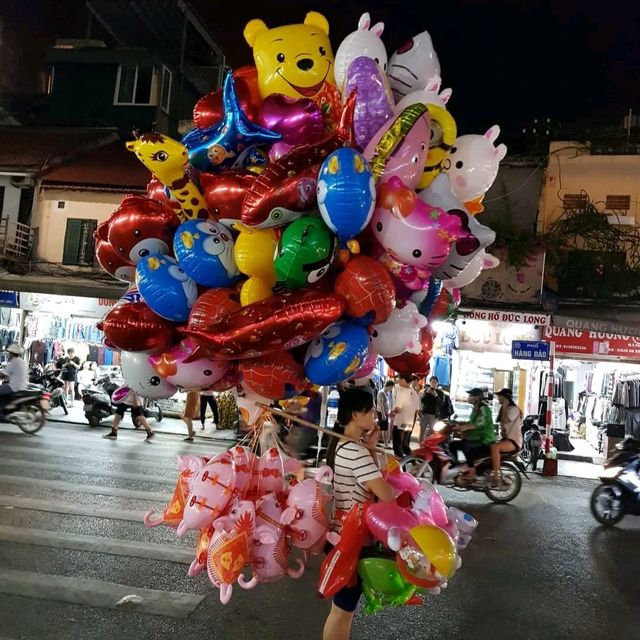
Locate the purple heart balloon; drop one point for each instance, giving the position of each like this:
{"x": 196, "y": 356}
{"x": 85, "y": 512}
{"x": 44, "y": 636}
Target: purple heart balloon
{"x": 374, "y": 100}
{"x": 297, "y": 120}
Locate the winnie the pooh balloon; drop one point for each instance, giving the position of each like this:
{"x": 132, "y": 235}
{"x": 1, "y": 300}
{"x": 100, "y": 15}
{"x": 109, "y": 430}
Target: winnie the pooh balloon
{"x": 295, "y": 60}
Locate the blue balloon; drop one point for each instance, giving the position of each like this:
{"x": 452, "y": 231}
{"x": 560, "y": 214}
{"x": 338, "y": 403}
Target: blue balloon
{"x": 204, "y": 249}
{"x": 228, "y": 142}
{"x": 433, "y": 291}
{"x": 346, "y": 193}
{"x": 337, "y": 354}
{"x": 165, "y": 287}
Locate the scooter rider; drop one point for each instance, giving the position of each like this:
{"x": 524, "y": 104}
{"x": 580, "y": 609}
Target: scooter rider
{"x": 478, "y": 434}
{"x": 16, "y": 372}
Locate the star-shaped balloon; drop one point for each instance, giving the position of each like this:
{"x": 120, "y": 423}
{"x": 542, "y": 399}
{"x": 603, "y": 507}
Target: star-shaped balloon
{"x": 229, "y": 142}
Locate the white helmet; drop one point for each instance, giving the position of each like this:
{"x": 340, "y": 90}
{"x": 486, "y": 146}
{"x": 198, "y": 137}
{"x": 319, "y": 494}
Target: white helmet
{"x": 15, "y": 349}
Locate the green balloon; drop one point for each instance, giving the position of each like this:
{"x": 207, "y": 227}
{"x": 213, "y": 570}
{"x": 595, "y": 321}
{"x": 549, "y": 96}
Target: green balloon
{"x": 382, "y": 584}
{"x": 305, "y": 253}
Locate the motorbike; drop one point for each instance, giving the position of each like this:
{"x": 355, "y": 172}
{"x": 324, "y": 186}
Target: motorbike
{"x": 433, "y": 461}
{"x": 98, "y": 404}
{"x": 26, "y": 409}
{"x": 532, "y": 450}
{"x": 619, "y": 493}
{"x": 48, "y": 378}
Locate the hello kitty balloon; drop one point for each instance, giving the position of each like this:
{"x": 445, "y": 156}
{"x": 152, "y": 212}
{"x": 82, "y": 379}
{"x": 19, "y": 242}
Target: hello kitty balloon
{"x": 481, "y": 261}
{"x": 416, "y": 236}
{"x": 400, "y": 333}
{"x": 412, "y": 65}
{"x": 474, "y": 236}
{"x": 431, "y": 94}
{"x": 361, "y": 42}
{"x": 473, "y": 163}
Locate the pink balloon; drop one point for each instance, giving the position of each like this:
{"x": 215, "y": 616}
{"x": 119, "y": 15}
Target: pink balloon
{"x": 438, "y": 510}
{"x": 298, "y": 120}
{"x": 388, "y": 521}
{"x": 368, "y": 365}
{"x": 374, "y": 100}
{"x": 210, "y": 494}
{"x": 305, "y": 514}
{"x": 409, "y": 151}
{"x": 278, "y": 150}
{"x": 416, "y": 237}
{"x": 271, "y": 472}
{"x": 199, "y": 374}
{"x": 403, "y": 482}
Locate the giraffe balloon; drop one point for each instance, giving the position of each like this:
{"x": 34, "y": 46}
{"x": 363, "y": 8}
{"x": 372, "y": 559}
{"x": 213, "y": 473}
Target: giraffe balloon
{"x": 168, "y": 160}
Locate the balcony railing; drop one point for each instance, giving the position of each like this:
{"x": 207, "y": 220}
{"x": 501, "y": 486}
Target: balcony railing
{"x": 17, "y": 241}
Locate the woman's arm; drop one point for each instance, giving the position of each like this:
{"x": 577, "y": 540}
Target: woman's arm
{"x": 381, "y": 488}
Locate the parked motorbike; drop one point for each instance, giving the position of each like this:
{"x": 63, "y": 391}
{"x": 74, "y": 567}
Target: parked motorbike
{"x": 433, "y": 461}
{"x": 48, "y": 378}
{"x": 98, "y": 404}
{"x": 26, "y": 409}
{"x": 532, "y": 450}
{"x": 619, "y": 493}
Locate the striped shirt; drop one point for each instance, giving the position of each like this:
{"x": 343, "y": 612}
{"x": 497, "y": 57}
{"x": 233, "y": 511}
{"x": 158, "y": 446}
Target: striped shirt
{"x": 352, "y": 468}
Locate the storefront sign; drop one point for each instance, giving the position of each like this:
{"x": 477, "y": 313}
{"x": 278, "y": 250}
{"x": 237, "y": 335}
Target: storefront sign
{"x": 492, "y": 337}
{"x": 593, "y": 344}
{"x": 493, "y": 315}
{"x": 67, "y": 305}
{"x": 623, "y": 324}
{"x": 538, "y": 350}
{"x": 10, "y": 299}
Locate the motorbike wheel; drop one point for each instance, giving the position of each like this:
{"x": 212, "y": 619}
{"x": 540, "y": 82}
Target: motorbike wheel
{"x": 417, "y": 467}
{"x": 30, "y": 418}
{"x": 510, "y": 492}
{"x": 93, "y": 419}
{"x": 606, "y": 505}
{"x": 525, "y": 454}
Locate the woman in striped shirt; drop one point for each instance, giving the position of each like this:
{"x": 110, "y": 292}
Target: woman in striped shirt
{"x": 357, "y": 479}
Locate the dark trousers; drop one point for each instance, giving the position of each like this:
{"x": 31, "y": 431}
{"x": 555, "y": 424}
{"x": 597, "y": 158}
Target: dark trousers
{"x": 401, "y": 439}
{"x": 211, "y": 402}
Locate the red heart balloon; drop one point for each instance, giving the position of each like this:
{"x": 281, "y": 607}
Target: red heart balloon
{"x": 134, "y": 327}
{"x": 368, "y": 289}
{"x": 211, "y": 306}
{"x": 208, "y": 109}
{"x": 278, "y": 323}
{"x": 224, "y": 192}
{"x": 414, "y": 363}
{"x": 276, "y": 377}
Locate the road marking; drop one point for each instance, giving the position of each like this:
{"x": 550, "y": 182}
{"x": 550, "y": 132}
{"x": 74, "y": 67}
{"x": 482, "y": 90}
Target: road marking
{"x": 81, "y": 542}
{"x": 107, "y": 473}
{"x": 70, "y": 508}
{"x": 95, "y": 593}
{"x": 60, "y": 485}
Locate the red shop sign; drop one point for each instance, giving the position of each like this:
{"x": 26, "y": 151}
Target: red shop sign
{"x": 574, "y": 342}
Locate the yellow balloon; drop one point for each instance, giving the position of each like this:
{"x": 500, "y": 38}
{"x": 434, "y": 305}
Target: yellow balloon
{"x": 295, "y": 60}
{"x": 253, "y": 251}
{"x": 443, "y": 135}
{"x": 254, "y": 290}
{"x": 437, "y": 546}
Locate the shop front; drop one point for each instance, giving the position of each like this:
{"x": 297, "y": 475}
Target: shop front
{"x": 597, "y": 386}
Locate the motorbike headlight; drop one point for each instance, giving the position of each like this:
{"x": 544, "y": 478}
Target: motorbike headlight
{"x": 612, "y": 472}
{"x": 439, "y": 426}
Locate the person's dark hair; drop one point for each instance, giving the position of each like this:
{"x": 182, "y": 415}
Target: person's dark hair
{"x": 434, "y": 378}
{"x": 507, "y": 393}
{"x": 389, "y": 383}
{"x": 407, "y": 377}
{"x": 352, "y": 400}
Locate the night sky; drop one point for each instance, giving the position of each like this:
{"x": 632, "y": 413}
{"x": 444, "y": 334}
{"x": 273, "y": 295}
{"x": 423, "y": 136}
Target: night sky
{"x": 507, "y": 61}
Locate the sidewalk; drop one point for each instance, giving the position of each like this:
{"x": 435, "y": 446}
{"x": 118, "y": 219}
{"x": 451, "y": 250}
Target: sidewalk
{"x": 174, "y": 426}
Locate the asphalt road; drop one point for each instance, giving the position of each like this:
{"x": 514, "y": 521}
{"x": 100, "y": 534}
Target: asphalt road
{"x": 72, "y": 544}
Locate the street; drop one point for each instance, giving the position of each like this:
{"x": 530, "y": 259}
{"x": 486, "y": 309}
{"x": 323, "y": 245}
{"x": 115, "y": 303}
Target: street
{"x": 73, "y": 544}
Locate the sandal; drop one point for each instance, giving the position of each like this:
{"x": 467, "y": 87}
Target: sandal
{"x": 188, "y": 439}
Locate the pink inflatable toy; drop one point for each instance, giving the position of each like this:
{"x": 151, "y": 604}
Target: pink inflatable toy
{"x": 210, "y": 494}
{"x": 389, "y": 522}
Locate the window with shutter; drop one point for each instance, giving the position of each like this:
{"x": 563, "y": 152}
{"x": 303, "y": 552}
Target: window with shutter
{"x": 79, "y": 243}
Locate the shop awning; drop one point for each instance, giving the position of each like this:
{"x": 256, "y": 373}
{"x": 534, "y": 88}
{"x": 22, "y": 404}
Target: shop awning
{"x": 61, "y": 285}
{"x": 624, "y": 321}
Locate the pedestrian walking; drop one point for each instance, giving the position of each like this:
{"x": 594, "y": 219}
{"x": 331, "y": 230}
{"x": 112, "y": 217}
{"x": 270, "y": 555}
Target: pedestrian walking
{"x": 384, "y": 404}
{"x": 431, "y": 403}
{"x": 191, "y": 408}
{"x": 137, "y": 417}
{"x": 406, "y": 404}
{"x": 207, "y": 399}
